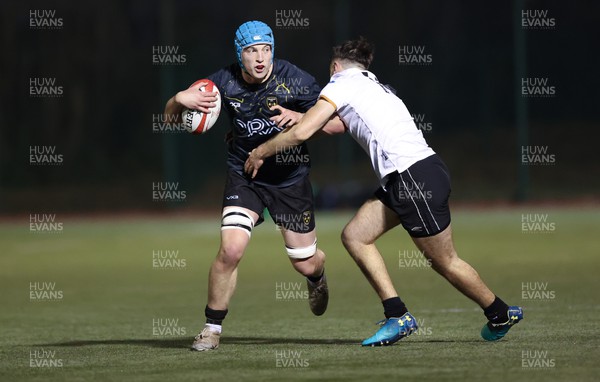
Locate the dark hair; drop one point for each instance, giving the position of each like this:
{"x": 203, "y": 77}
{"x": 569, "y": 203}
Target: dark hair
{"x": 359, "y": 51}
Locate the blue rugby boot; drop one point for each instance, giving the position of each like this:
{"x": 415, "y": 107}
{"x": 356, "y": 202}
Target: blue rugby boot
{"x": 392, "y": 330}
{"x": 494, "y": 332}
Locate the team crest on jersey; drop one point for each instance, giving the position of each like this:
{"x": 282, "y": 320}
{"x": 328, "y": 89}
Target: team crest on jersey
{"x": 271, "y": 101}
{"x": 306, "y": 217}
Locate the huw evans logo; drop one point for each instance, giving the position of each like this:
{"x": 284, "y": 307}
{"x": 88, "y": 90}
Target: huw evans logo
{"x": 290, "y": 358}
{"x": 167, "y": 192}
{"x": 167, "y": 55}
{"x": 167, "y": 327}
{"x": 537, "y": 223}
{"x": 293, "y": 222}
{"x": 536, "y": 359}
{"x": 288, "y": 291}
{"x": 289, "y": 85}
{"x": 44, "y": 19}
{"x": 291, "y": 156}
{"x": 44, "y": 358}
{"x": 537, "y": 19}
{"x": 414, "y": 191}
{"x": 537, "y": 87}
{"x": 168, "y": 123}
{"x": 535, "y": 290}
{"x": 44, "y": 291}
{"x": 45, "y": 87}
{"x": 537, "y": 155}
{"x": 290, "y": 19}
{"x": 414, "y": 55}
{"x": 412, "y": 259}
{"x": 421, "y": 123}
{"x": 423, "y": 330}
{"x": 44, "y": 223}
{"x": 167, "y": 259}
{"x": 44, "y": 156}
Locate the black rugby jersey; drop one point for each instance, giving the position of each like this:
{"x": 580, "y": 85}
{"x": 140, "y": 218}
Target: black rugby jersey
{"x": 248, "y": 107}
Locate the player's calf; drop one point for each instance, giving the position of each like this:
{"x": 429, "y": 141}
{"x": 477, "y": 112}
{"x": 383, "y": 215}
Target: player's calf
{"x": 309, "y": 261}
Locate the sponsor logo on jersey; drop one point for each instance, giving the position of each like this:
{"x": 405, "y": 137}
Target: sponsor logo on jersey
{"x": 260, "y": 126}
{"x": 235, "y": 103}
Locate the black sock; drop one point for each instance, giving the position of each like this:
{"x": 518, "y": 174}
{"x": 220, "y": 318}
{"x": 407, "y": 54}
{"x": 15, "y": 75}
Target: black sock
{"x": 316, "y": 279}
{"x": 394, "y": 307}
{"x": 497, "y": 312}
{"x": 214, "y": 317}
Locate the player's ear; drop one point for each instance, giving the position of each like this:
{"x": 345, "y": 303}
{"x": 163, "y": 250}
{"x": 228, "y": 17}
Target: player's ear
{"x": 336, "y": 67}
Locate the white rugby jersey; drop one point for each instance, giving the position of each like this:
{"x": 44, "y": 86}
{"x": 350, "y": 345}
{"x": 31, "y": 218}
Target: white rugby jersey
{"x": 378, "y": 120}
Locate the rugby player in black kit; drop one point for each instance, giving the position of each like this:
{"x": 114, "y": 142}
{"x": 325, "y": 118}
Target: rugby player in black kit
{"x": 262, "y": 95}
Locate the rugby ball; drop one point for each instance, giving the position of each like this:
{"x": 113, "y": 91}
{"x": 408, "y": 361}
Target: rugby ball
{"x": 197, "y": 122}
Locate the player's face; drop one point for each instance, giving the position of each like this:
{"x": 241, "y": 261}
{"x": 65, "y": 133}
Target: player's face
{"x": 258, "y": 61}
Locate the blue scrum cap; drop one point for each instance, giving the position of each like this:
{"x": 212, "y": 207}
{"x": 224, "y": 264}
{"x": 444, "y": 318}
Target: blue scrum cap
{"x": 252, "y": 33}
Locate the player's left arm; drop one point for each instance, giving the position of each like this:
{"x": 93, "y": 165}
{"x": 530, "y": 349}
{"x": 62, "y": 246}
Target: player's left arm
{"x": 314, "y": 120}
{"x": 335, "y": 125}
{"x": 289, "y": 118}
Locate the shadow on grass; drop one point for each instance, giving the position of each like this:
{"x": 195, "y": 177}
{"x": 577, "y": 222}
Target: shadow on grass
{"x": 183, "y": 343}
{"x": 186, "y": 342}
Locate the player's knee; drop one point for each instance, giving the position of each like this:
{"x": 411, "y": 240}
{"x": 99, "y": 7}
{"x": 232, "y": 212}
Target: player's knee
{"x": 349, "y": 237}
{"x": 230, "y": 254}
{"x": 444, "y": 262}
{"x": 310, "y": 265}
{"x": 304, "y": 267}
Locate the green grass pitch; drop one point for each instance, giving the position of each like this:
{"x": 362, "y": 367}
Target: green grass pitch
{"x": 102, "y": 310}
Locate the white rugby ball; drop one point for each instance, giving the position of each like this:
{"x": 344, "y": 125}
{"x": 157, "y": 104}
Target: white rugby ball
{"x": 197, "y": 122}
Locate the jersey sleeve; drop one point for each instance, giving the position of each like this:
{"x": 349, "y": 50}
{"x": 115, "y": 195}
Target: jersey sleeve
{"x": 220, "y": 77}
{"x": 306, "y": 89}
{"x": 334, "y": 93}
{"x": 313, "y": 89}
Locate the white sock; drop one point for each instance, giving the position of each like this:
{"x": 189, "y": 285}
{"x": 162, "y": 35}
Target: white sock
{"x": 214, "y": 328}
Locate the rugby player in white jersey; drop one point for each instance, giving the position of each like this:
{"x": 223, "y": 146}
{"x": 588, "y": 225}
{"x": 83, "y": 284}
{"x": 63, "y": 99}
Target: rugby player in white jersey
{"x": 414, "y": 192}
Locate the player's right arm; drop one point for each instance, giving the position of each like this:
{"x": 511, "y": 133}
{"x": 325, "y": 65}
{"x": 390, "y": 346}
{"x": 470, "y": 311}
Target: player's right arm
{"x": 191, "y": 98}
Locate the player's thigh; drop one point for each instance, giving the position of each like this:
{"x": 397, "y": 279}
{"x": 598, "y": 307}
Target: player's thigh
{"x": 292, "y": 210}
{"x": 439, "y": 248}
{"x": 298, "y": 239}
{"x": 372, "y": 220}
{"x": 241, "y": 194}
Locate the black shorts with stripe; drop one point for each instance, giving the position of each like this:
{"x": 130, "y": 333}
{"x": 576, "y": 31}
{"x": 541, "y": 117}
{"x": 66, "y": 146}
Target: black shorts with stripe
{"x": 419, "y": 196}
{"x": 290, "y": 207}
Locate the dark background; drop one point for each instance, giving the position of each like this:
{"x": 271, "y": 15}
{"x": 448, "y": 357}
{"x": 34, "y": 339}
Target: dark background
{"x": 102, "y": 125}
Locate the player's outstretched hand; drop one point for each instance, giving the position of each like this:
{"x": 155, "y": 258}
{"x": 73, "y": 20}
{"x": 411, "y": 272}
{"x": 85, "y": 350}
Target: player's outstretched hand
{"x": 286, "y": 117}
{"x": 253, "y": 163}
{"x": 193, "y": 98}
